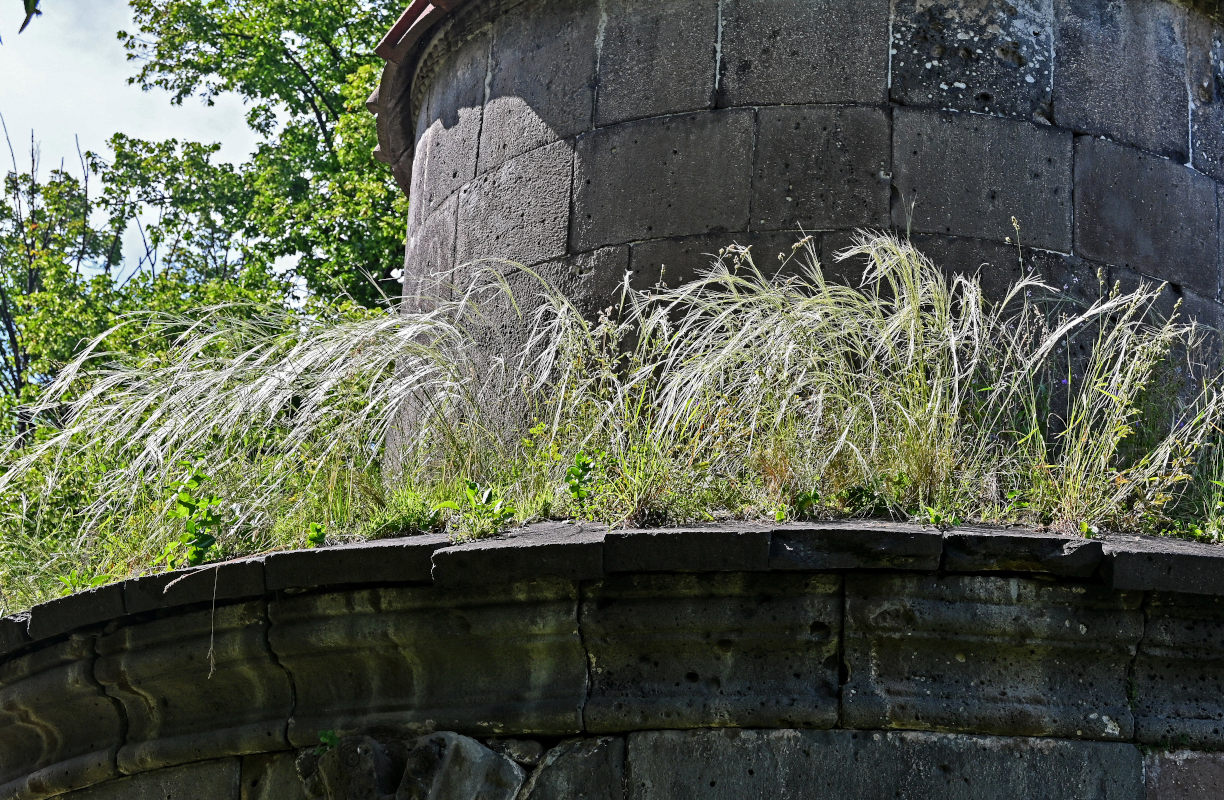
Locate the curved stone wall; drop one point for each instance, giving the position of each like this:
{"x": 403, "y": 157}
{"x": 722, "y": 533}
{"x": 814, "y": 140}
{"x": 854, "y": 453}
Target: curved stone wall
{"x": 590, "y": 137}
{"x": 832, "y": 660}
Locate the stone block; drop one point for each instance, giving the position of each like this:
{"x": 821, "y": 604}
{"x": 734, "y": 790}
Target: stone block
{"x": 1139, "y": 563}
{"x": 541, "y": 79}
{"x": 993, "y": 58}
{"x": 854, "y": 545}
{"x": 1178, "y": 689}
{"x": 1012, "y": 656}
{"x": 1184, "y": 775}
{"x": 821, "y": 167}
{"x": 405, "y": 559}
{"x": 234, "y": 580}
{"x": 13, "y": 633}
{"x": 451, "y": 141}
{"x": 76, "y": 611}
{"x": 592, "y": 280}
{"x": 429, "y": 256}
{"x": 1205, "y": 77}
{"x": 718, "y": 649}
{"x": 556, "y": 550}
{"x": 969, "y": 175}
{"x": 195, "y": 686}
{"x": 1122, "y": 72}
{"x": 45, "y": 697}
{"x": 719, "y": 549}
{"x": 803, "y": 51}
{"x": 670, "y": 176}
{"x": 591, "y": 769}
{"x": 655, "y": 58}
{"x": 984, "y": 550}
{"x": 518, "y": 212}
{"x": 498, "y": 660}
{"x": 998, "y": 266}
{"x": 671, "y": 262}
{"x": 214, "y": 780}
{"x": 834, "y": 765}
{"x": 271, "y": 776}
{"x": 1146, "y": 213}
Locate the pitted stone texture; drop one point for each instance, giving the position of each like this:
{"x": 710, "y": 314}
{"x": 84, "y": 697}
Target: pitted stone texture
{"x": 591, "y": 769}
{"x": 1178, "y": 690}
{"x": 541, "y": 79}
{"x": 519, "y": 211}
{"x": 655, "y": 58}
{"x": 803, "y": 51}
{"x": 1205, "y": 77}
{"x": 206, "y": 780}
{"x": 472, "y": 661}
{"x": 1184, "y": 775}
{"x": 996, "y": 58}
{"x": 684, "y": 651}
{"x": 1121, "y": 72}
{"x": 669, "y": 176}
{"x": 455, "y": 111}
{"x": 988, "y": 655}
{"x": 271, "y": 776}
{"x": 592, "y": 280}
{"x": 218, "y": 689}
{"x": 1164, "y": 564}
{"x": 1146, "y": 213}
{"x": 58, "y": 730}
{"x": 835, "y": 765}
{"x": 821, "y": 167}
{"x": 429, "y": 255}
{"x": 969, "y": 175}
{"x": 670, "y": 262}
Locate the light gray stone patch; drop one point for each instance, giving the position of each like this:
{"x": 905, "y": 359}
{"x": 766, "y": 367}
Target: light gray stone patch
{"x": 1205, "y": 79}
{"x": 451, "y": 141}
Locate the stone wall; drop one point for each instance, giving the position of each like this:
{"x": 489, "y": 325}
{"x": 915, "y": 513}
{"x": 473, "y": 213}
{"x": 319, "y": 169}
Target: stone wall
{"x": 832, "y": 660}
{"x": 585, "y": 138}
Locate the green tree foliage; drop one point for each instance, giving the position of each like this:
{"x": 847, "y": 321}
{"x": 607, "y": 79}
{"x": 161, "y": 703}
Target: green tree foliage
{"x": 305, "y": 68}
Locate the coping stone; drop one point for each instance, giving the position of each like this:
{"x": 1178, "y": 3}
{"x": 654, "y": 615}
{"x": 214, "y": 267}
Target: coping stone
{"x": 985, "y": 550}
{"x": 715, "y": 549}
{"x": 14, "y": 633}
{"x": 406, "y": 559}
{"x": 855, "y": 545}
{"x": 557, "y": 550}
{"x": 205, "y": 584}
{"x": 1144, "y": 563}
{"x": 80, "y": 610}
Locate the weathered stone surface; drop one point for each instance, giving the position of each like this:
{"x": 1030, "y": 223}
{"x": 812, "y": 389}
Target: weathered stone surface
{"x": 672, "y": 261}
{"x": 541, "y": 79}
{"x": 218, "y": 691}
{"x": 1184, "y": 775}
{"x": 854, "y": 545}
{"x": 591, "y": 280}
{"x": 403, "y": 560}
{"x": 988, "y": 655}
{"x": 687, "y": 550}
{"x": 271, "y": 776}
{"x": 1205, "y": 77}
{"x": 969, "y": 175}
{"x": 803, "y": 51}
{"x": 995, "y": 58}
{"x": 655, "y": 58}
{"x": 998, "y": 265}
{"x": 45, "y": 695}
{"x": 682, "y": 651}
{"x": 210, "y": 584}
{"x": 1164, "y": 564}
{"x": 1121, "y": 72}
{"x": 558, "y": 550}
{"x": 1178, "y": 690}
{"x": 591, "y": 769}
{"x": 455, "y": 113}
{"x": 670, "y": 176}
{"x": 519, "y": 211}
{"x": 478, "y": 661}
{"x": 429, "y": 255}
{"x": 13, "y": 634}
{"x": 525, "y": 752}
{"x": 822, "y": 167}
{"x": 983, "y": 550}
{"x": 75, "y": 611}
{"x": 834, "y": 765}
{"x": 214, "y": 780}
{"x": 1147, "y": 213}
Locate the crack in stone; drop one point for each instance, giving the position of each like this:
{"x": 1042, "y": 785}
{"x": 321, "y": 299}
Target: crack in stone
{"x": 1131, "y": 688}
{"x": 120, "y": 709}
{"x": 293, "y": 695}
{"x": 588, "y": 656}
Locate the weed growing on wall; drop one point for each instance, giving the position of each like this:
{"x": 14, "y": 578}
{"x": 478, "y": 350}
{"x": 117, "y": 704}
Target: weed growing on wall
{"x": 744, "y": 393}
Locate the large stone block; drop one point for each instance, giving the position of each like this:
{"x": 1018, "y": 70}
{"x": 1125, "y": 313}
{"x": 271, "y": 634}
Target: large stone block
{"x": 557, "y": 550}
{"x": 58, "y": 729}
{"x": 520, "y": 211}
{"x": 494, "y": 660}
{"x": 719, "y": 549}
{"x": 821, "y": 167}
{"x": 803, "y": 51}
{"x": 988, "y": 655}
{"x": 1178, "y": 689}
{"x": 655, "y": 58}
{"x": 985, "y": 550}
{"x": 1150, "y": 214}
{"x": 855, "y": 545}
{"x": 969, "y": 175}
{"x": 670, "y": 176}
{"x": 1121, "y": 72}
{"x": 591, "y": 769}
{"x": 673, "y": 261}
{"x": 541, "y": 78}
{"x": 686, "y": 651}
{"x": 429, "y": 255}
{"x": 406, "y": 559}
{"x": 996, "y": 58}
{"x": 1205, "y": 77}
{"x": 592, "y": 280}
{"x": 75, "y": 612}
{"x": 451, "y": 141}
{"x": 214, "y": 780}
{"x": 834, "y": 765}
{"x": 1184, "y": 775}
{"x": 196, "y": 686}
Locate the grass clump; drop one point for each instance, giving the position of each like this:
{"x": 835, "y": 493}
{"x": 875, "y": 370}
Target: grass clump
{"x": 740, "y": 394}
